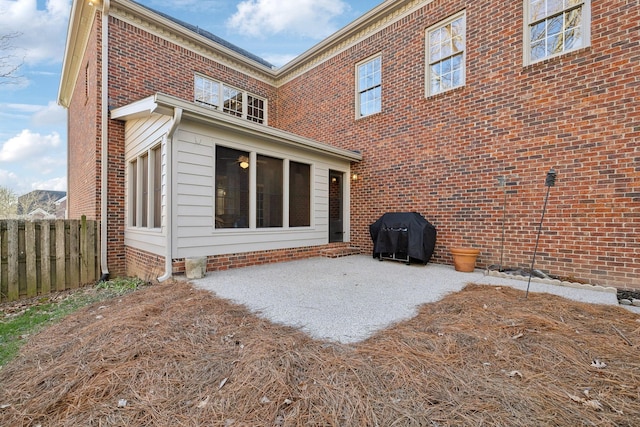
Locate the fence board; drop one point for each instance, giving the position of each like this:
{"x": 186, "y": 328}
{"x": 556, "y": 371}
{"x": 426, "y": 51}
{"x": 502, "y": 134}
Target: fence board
{"x": 74, "y": 254}
{"x": 30, "y": 250}
{"x": 61, "y": 279}
{"x": 45, "y": 257}
{"x": 13, "y": 289}
{"x": 90, "y": 251}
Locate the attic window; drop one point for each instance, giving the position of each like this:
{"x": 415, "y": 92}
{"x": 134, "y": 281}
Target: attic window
{"x": 219, "y": 96}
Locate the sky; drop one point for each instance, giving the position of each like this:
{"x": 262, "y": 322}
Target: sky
{"x": 33, "y": 127}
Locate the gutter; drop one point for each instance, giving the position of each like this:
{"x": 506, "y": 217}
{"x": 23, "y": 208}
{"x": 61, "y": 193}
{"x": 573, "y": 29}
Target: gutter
{"x": 168, "y": 256}
{"x": 104, "y": 166}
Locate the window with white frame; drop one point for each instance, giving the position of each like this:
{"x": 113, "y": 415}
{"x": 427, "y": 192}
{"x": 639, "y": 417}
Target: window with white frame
{"x": 554, "y": 27}
{"x": 145, "y": 189}
{"x": 446, "y": 50}
{"x": 369, "y": 78}
{"x": 219, "y": 96}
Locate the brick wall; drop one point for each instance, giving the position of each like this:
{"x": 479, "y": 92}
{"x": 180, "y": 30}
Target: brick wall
{"x": 440, "y": 156}
{"x": 83, "y": 176}
{"x": 143, "y": 264}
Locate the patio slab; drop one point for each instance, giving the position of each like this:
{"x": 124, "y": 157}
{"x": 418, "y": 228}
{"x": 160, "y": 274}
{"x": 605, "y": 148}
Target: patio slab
{"x": 349, "y": 299}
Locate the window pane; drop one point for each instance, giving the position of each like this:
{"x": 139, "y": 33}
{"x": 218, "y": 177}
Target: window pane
{"x": 554, "y": 25}
{"x": 572, "y": 38}
{"x": 145, "y": 190}
{"x": 536, "y": 10}
{"x": 232, "y": 188}
{"x": 206, "y": 92}
{"x": 269, "y": 196}
{"x": 554, "y": 6}
{"x": 255, "y": 109}
{"x": 133, "y": 187}
{"x": 299, "y": 195}
{"x": 232, "y": 101}
{"x": 157, "y": 187}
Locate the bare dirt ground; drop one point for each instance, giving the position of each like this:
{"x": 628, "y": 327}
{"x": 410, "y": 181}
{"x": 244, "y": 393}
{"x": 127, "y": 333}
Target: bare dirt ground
{"x": 170, "y": 355}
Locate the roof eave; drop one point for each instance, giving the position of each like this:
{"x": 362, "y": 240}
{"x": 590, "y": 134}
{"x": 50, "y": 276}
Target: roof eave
{"x": 80, "y": 23}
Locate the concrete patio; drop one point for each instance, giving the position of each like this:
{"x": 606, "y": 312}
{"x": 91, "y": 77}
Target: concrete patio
{"x": 350, "y": 298}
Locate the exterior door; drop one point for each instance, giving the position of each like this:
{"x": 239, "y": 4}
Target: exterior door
{"x": 336, "y": 229}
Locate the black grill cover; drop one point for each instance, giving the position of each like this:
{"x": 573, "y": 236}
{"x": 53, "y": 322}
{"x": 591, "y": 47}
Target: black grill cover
{"x": 403, "y": 233}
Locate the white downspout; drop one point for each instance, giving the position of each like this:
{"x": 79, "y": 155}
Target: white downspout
{"x": 104, "y": 166}
{"x": 168, "y": 256}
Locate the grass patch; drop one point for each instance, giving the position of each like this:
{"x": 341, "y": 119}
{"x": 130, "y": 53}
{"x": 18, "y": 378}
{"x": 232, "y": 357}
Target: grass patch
{"x": 21, "y": 319}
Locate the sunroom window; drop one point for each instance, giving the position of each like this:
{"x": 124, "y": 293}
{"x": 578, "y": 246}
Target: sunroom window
{"x": 145, "y": 189}
{"x": 259, "y": 202}
{"x": 219, "y": 96}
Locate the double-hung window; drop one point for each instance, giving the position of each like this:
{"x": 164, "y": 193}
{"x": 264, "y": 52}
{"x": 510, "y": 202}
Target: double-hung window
{"x": 554, "y": 27}
{"x": 446, "y": 43}
{"x": 369, "y": 80}
{"x": 219, "y": 96}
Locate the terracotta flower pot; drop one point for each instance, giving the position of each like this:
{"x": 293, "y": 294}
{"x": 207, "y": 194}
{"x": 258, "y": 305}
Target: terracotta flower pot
{"x": 464, "y": 259}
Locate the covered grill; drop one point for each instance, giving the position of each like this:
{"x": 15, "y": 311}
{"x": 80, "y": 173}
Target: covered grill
{"x": 403, "y": 236}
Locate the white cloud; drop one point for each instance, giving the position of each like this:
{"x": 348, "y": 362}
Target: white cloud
{"x": 8, "y": 179}
{"x": 28, "y": 146}
{"x": 52, "y": 114}
{"x": 53, "y": 184}
{"x": 41, "y": 30}
{"x": 308, "y": 18}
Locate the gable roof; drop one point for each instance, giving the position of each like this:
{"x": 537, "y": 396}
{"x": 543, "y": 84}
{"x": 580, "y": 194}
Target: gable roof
{"x": 200, "y": 40}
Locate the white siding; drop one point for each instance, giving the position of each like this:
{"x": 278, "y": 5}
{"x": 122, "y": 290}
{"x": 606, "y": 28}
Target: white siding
{"x": 194, "y": 202}
{"x": 140, "y": 136}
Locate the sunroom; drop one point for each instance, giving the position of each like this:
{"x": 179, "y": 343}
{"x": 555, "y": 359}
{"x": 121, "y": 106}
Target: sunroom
{"x": 200, "y": 183}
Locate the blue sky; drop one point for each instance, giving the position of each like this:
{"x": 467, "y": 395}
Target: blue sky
{"x": 33, "y": 136}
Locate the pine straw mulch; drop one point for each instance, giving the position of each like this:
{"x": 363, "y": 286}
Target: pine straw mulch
{"x": 170, "y": 355}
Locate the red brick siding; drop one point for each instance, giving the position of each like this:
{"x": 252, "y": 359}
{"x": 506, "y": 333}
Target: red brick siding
{"x": 440, "y": 156}
{"x": 246, "y": 259}
{"x": 83, "y": 162}
{"x": 143, "y": 264}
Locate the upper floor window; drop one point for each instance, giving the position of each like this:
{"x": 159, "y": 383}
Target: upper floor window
{"x": 369, "y": 87}
{"x": 446, "y": 42}
{"x": 217, "y": 95}
{"x": 554, "y": 27}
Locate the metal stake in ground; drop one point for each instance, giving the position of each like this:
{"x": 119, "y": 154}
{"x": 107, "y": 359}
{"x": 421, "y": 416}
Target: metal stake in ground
{"x": 502, "y": 181}
{"x": 549, "y": 182}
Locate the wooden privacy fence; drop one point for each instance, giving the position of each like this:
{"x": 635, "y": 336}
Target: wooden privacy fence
{"x": 42, "y": 256}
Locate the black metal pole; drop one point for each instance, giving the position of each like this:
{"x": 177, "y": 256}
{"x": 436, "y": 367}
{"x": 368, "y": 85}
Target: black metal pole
{"x": 549, "y": 182}
{"x": 502, "y": 183}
